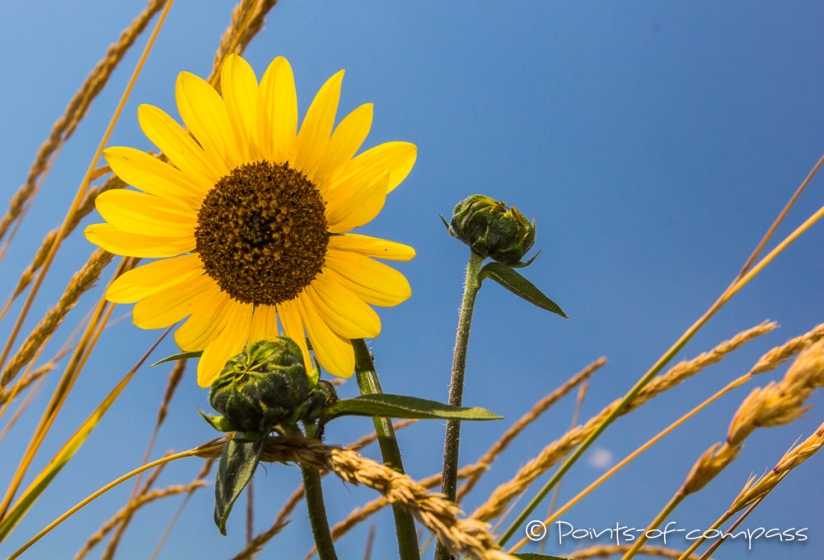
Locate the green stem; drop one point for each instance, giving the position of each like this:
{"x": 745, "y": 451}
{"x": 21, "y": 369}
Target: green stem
{"x": 368, "y": 384}
{"x": 317, "y": 514}
{"x": 452, "y": 442}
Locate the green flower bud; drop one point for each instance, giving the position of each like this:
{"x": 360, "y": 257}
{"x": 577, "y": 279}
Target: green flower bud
{"x": 261, "y": 387}
{"x": 493, "y": 230}
{"x": 322, "y": 396}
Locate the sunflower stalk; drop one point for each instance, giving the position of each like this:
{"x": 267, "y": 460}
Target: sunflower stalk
{"x": 313, "y": 491}
{"x": 452, "y": 441}
{"x": 369, "y": 384}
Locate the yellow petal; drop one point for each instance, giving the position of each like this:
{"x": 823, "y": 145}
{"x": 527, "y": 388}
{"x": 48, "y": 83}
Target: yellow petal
{"x": 177, "y": 145}
{"x": 396, "y": 158}
{"x": 170, "y": 305}
{"x": 345, "y": 142}
{"x": 264, "y": 324}
{"x": 372, "y": 281}
{"x": 206, "y": 321}
{"x": 229, "y": 343}
{"x": 317, "y": 127}
{"x": 205, "y": 115}
{"x": 372, "y": 247}
{"x": 154, "y": 277}
{"x": 345, "y": 313}
{"x": 135, "y": 212}
{"x": 153, "y": 176}
{"x": 133, "y": 245}
{"x": 334, "y": 353}
{"x": 240, "y": 93}
{"x": 356, "y": 204}
{"x": 289, "y": 315}
{"x": 277, "y": 121}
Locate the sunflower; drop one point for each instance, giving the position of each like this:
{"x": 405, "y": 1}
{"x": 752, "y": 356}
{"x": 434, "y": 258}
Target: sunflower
{"x": 250, "y": 218}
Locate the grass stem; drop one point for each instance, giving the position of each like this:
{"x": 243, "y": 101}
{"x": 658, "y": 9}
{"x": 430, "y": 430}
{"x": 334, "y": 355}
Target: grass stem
{"x": 99, "y": 493}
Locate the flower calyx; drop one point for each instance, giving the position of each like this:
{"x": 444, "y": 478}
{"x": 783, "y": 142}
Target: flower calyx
{"x": 491, "y": 229}
{"x": 265, "y": 388}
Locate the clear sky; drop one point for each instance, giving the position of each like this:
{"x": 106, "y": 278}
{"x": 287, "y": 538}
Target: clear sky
{"x": 653, "y": 142}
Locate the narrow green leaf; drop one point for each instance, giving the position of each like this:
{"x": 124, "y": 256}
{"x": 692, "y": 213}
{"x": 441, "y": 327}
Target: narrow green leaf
{"x": 512, "y": 280}
{"x": 532, "y": 556}
{"x": 181, "y": 356}
{"x": 237, "y": 464}
{"x": 397, "y": 406}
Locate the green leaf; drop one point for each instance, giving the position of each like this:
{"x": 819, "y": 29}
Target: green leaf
{"x": 512, "y": 280}
{"x": 219, "y": 423}
{"x": 397, "y": 406}
{"x": 181, "y": 356}
{"x": 237, "y": 464}
{"x": 531, "y": 556}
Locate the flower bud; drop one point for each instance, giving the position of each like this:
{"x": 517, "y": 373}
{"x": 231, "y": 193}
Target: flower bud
{"x": 322, "y": 396}
{"x": 262, "y": 386}
{"x": 493, "y": 230}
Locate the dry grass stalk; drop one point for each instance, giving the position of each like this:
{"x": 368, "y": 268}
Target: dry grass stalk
{"x": 248, "y": 19}
{"x": 171, "y": 385}
{"x": 111, "y": 523}
{"x": 75, "y": 111}
{"x": 555, "y": 451}
{"x": 38, "y": 374}
{"x": 371, "y": 438}
{"x": 466, "y": 537}
{"x": 204, "y": 472}
{"x": 774, "y": 405}
{"x": 783, "y": 402}
{"x": 81, "y": 282}
{"x": 26, "y": 381}
{"x": 128, "y": 510}
{"x": 783, "y": 353}
{"x": 518, "y": 427}
{"x": 757, "y": 490}
{"x": 370, "y": 540}
{"x": 688, "y": 368}
{"x": 359, "y": 515}
{"x": 83, "y": 210}
{"x": 21, "y": 409}
{"x": 254, "y": 546}
{"x": 605, "y": 551}
{"x": 711, "y": 462}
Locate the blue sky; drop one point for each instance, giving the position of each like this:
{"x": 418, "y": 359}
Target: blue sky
{"x": 653, "y": 142}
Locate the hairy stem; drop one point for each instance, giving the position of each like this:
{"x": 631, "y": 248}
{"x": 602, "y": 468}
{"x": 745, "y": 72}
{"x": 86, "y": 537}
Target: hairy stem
{"x": 368, "y": 384}
{"x": 452, "y": 442}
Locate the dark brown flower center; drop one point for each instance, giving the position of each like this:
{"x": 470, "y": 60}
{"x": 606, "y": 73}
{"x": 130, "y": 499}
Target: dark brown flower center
{"x": 261, "y": 233}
